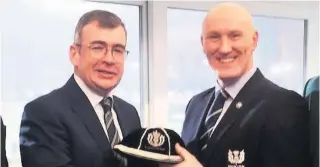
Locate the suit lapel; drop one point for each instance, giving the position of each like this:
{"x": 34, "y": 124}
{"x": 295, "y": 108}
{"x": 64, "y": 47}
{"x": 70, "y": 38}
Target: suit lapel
{"x": 82, "y": 106}
{"x": 204, "y": 106}
{"x": 238, "y": 108}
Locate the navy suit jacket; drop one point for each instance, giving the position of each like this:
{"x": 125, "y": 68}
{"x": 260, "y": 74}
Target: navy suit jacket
{"x": 61, "y": 129}
{"x": 271, "y": 127}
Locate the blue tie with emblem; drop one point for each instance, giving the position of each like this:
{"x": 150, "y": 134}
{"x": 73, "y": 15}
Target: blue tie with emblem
{"x": 212, "y": 117}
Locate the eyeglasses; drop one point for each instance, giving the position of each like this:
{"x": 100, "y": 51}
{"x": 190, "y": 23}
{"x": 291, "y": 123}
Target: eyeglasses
{"x": 100, "y": 49}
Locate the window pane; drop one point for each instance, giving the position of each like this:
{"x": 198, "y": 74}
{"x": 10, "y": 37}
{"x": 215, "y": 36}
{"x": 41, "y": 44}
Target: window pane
{"x": 280, "y": 57}
{"x": 35, "y": 60}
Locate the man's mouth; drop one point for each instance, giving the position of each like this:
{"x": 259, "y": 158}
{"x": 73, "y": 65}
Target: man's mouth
{"x": 226, "y": 59}
{"x": 106, "y": 72}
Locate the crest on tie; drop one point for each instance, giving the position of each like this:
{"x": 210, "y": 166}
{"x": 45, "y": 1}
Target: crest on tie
{"x": 156, "y": 139}
{"x": 236, "y": 158}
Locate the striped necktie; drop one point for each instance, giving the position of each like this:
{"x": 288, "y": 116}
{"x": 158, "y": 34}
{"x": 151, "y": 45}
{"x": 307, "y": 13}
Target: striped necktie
{"x": 212, "y": 117}
{"x": 113, "y": 135}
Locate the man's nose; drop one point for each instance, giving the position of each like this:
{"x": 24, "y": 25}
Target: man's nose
{"x": 108, "y": 57}
{"x": 225, "y": 46}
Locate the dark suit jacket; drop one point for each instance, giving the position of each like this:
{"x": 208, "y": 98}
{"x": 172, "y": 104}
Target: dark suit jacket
{"x": 61, "y": 129}
{"x": 311, "y": 93}
{"x": 4, "y": 160}
{"x": 314, "y": 127}
{"x": 271, "y": 127}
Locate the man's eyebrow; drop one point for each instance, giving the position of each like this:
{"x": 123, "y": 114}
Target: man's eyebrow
{"x": 98, "y": 42}
{"x": 104, "y": 43}
{"x": 235, "y": 31}
{"x": 210, "y": 33}
{"x": 230, "y": 31}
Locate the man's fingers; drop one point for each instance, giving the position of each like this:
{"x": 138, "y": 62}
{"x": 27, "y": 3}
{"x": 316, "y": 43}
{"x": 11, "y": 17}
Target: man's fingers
{"x": 182, "y": 152}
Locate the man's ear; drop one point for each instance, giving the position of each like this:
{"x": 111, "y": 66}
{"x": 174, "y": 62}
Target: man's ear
{"x": 255, "y": 40}
{"x": 201, "y": 38}
{"x": 74, "y": 55}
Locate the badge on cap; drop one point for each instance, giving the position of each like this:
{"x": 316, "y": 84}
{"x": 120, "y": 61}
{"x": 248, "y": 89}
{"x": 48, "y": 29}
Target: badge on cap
{"x": 156, "y": 139}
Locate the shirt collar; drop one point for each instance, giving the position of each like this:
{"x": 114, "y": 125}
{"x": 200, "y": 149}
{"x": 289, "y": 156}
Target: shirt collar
{"x": 93, "y": 97}
{"x": 234, "y": 88}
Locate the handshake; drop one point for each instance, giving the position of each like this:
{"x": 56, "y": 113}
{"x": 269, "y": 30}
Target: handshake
{"x": 160, "y": 145}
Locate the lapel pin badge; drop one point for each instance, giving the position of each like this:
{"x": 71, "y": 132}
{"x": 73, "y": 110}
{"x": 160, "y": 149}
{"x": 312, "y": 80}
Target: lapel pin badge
{"x": 239, "y": 105}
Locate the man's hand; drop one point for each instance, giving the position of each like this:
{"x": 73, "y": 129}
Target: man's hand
{"x": 188, "y": 159}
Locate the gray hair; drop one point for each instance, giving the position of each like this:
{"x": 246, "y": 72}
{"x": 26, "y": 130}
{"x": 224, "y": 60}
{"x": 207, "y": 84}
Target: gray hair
{"x": 105, "y": 19}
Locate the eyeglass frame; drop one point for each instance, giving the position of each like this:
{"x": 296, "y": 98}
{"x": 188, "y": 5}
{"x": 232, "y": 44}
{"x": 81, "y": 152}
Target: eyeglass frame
{"x": 105, "y": 47}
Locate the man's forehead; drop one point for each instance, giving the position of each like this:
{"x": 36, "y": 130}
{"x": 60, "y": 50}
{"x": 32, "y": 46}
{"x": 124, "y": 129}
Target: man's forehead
{"x": 93, "y": 31}
{"x": 229, "y": 10}
{"x": 229, "y": 14}
{"x": 95, "y": 26}
{"x": 225, "y": 26}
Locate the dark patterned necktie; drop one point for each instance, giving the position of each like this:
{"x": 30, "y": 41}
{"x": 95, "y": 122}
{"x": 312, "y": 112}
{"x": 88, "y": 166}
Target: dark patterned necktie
{"x": 113, "y": 134}
{"x": 212, "y": 117}
{"x": 109, "y": 122}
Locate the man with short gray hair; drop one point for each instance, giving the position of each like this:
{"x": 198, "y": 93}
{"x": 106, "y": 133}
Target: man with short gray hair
{"x": 78, "y": 124}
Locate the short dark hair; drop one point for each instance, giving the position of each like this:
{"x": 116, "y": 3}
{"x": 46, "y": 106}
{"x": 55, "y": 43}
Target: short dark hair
{"x": 105, "y": 19}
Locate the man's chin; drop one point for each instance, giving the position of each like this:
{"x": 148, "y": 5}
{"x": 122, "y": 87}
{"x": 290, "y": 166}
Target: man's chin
{"x": 229, "y": 76}
{"x": 104, "y": 88}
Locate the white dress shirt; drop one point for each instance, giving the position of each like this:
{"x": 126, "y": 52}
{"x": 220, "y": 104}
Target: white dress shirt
{"x": 95, "y": 100}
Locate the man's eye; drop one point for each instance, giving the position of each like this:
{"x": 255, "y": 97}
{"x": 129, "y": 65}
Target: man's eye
{"x": 214, "y": 36}
{"x": 235, "y": 35}
{"x": 97, "y": 48}
{"x": 119, "y": 50}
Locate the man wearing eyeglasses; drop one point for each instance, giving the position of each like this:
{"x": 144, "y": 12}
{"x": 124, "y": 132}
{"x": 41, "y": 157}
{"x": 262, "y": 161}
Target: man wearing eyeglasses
{"x": 78, "y": 124}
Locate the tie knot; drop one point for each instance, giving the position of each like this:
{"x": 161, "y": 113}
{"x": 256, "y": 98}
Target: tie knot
{"x": 106, "y": 103}
{"x": 224, "y": 93}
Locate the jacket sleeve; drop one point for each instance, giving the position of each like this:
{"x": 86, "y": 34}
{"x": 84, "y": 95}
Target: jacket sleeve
{"x": 285, "y": 137}
{"x": 43, "y": 139}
